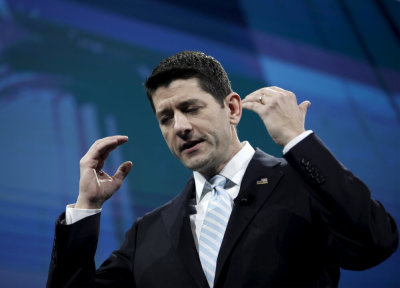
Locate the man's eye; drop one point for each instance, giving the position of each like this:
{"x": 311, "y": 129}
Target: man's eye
{"x": 192, "y": 109}
{"x": 165, "y": 120}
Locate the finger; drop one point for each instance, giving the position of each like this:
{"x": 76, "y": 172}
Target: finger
{"x": 253, "y": 106}
{"x": 107, "y": 150}
{"x": 288, "y": 95}
{"x": 254, "y": 96}
{"x": 261, "y": 95}
{"x": 279, "y": 89}
{"x": 102, "y": 148}
{"x": 303, "y": 107}
{"x": 100, "y": 164}
{"x": 103, "y": 157}
{"x": 122, "y": 171}
{"x": 117, "y": 138}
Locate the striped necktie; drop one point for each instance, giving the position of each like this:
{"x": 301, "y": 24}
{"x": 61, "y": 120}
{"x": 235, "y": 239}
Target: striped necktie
{"x": 212, "y": 232}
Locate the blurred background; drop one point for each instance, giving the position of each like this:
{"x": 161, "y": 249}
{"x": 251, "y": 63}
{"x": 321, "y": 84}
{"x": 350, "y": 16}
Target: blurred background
{"x": 72, "y": 71}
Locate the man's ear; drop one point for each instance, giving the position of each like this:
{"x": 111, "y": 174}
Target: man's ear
{"x": 234, "y": 104}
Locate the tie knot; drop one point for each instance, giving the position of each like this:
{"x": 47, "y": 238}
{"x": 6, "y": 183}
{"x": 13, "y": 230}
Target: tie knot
{"x": 218, "y": 181}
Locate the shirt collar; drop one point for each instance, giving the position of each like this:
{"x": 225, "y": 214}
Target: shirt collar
{"x": 234, "y": 170}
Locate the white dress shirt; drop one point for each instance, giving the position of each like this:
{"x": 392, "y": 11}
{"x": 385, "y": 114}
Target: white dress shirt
{"x": 234, "y": 171}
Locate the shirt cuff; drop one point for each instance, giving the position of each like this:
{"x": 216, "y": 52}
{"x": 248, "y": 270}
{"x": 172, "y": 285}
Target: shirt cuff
{"x": 73, "y": 214}
{"x": 296, "y": 140}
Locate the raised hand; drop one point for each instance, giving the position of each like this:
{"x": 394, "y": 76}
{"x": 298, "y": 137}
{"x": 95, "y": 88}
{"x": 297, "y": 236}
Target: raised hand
{"x": 96, "y": 186}
{"x": 278, "y": 108}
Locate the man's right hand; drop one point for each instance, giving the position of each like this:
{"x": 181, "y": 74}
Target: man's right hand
{"x": 96, "y": 186}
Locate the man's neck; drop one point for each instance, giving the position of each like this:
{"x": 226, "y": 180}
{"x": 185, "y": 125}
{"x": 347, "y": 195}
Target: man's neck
{"x": 211, "y": 172}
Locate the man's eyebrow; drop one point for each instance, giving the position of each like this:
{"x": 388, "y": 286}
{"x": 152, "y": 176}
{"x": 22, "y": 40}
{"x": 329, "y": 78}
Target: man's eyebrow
{"x": 189, "y": 102}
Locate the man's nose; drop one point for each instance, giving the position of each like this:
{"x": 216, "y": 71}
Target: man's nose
{"x": 181, "y": 124}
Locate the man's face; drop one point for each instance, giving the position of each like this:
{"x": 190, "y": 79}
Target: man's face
{"x": 198, "y": 131}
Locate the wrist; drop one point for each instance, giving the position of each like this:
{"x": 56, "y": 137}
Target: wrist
{"x": 295, "y": 141}
{"x": 84, "y": 203}
{"x": 292, "y": 135}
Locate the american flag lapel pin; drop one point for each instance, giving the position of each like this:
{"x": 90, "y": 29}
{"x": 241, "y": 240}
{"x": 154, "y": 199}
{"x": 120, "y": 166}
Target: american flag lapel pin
{"x": 262, "y": 181}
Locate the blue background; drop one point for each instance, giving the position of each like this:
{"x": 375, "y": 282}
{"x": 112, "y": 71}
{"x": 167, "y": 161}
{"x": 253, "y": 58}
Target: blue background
{"x": 72, "y": 72}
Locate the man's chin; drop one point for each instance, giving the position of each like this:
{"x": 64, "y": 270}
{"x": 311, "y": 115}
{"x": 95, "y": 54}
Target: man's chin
{"x": 197, "y": 164}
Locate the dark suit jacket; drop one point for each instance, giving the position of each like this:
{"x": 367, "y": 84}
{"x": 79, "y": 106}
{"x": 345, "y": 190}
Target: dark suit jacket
{"x": 311, "y": 218}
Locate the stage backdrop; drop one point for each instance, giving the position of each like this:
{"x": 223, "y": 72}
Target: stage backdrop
{"x": 73, "y": 71}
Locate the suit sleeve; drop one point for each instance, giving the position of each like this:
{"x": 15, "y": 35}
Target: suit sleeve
{"x": 360, "y": 231}
{"x": 72, "y": 261}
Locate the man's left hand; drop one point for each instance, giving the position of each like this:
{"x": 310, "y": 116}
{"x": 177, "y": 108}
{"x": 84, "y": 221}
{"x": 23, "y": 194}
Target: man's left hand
{"x": 278, "y": 108}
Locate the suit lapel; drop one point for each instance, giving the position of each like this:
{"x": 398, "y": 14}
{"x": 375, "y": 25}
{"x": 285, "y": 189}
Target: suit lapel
{"x": 177, "y": 222}
{"x": 256, "y": 192}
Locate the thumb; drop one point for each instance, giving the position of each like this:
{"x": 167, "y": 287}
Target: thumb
{"x": 123, "y": 171}
{"x": 304, "y": 107}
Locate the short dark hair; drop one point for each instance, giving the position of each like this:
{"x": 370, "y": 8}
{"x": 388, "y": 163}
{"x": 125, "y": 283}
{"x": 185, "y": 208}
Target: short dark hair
{"x": 190, "y": 64}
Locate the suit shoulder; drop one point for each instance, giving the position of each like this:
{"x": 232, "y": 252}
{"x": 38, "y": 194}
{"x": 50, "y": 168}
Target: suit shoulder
{"x": 157, "y": 211}
{"x": 269, "y": 160}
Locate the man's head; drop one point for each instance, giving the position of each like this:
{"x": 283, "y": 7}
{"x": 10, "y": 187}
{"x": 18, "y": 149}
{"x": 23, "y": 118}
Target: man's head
{"x": 198, "y": 126}
{"x": 190, "y": 64}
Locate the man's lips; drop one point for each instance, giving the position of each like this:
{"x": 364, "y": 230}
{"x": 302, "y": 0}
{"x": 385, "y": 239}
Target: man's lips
{"x": 188, "y": 146}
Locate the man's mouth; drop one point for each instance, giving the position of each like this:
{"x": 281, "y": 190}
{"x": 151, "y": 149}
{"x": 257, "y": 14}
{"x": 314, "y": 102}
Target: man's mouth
{"x": 188, "y": 145}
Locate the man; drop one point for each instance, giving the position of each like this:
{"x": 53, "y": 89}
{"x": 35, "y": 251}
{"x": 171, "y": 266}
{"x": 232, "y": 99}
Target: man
{"x": 245, "y": 218}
